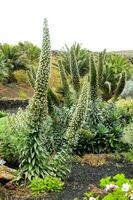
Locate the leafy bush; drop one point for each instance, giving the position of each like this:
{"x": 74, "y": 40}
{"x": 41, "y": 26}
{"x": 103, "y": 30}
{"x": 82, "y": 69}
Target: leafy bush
{"x": 128, "y": 134}
{"x": 125, "y": 109}
{"x": 105, "y": 128}
{"x": 128, "y": 138}
{"x": 111, "y": 74}
{"x": 128, "y": 155}
{"x": 13, "y": 135}
{"x": 48, "y": 184}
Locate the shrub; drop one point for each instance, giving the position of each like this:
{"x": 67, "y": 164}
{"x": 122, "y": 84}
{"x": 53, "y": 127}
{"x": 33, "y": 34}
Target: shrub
{"x": 128, "y": 134}
{"x": 128, "y": 139}
{"x": 125, "y": 109}
{"x": 112, "y": 70}
{"x": 105, "y": 128}
{"x": 48, "y": 184}
{"x": 13, "y": 135}
{"x": 128, "y": 155}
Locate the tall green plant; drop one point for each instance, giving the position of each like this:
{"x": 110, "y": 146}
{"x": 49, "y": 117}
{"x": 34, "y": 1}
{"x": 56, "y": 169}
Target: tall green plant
{"x": 100, "y": 67}
{"x": 111, "y": 75}
{"x": 74, "y": 72}
{"x": 34, "y": 154}
{"x": 82, "y": 58}
{"x": 79, "y": 114}
{"x": 120, "y": 85}
{"x": 93, "y": 79}
{"x": 31, "y": 74}
{"x": 65, "y": 85}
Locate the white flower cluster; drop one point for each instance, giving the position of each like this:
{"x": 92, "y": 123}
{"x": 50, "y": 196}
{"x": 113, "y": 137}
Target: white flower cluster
{"x": 92, "y": 198}
{"x": 126, "y": 187}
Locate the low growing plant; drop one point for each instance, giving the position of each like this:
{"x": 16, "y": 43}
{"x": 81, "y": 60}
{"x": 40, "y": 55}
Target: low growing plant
{"x": 48, "y": 184}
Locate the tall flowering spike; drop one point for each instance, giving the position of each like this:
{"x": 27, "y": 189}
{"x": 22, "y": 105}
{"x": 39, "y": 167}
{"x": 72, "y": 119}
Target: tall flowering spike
{"x": 74, "y": 72}
{"x": 39, "y": 105}
{"x": 34, "y": 155}
{"x": 101, "y": 67}
{"x": 31, "y": 74}
{"x": 79, "y": 114}
{"x": 93, "y": 79}
{"x": 64, "y": 81}
{"x": 120, "y": 85}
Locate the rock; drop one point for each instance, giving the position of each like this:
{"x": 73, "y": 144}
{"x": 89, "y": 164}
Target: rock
{"x": 6, "y": 173}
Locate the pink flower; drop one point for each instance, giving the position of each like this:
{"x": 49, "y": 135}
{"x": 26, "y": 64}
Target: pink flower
{"x": 110, "y": 187}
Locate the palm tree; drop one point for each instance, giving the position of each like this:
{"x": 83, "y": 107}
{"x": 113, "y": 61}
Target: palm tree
{"x": 81, "y": 55}
{"x": 12, "y": 61}
{"x": 30, "y": 52}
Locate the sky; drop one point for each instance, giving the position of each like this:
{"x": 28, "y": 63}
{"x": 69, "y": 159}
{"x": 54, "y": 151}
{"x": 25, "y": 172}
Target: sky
{"x": 96, "y": 24}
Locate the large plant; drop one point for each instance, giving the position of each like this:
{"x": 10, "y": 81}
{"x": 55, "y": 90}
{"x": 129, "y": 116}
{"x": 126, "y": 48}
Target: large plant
{"x": 103, "y": 133}
{"x": 103, "y": 125}
{"x": 34, "y": 154}
{"x": 81, "y": 55}
{"x": 112, "y": 70}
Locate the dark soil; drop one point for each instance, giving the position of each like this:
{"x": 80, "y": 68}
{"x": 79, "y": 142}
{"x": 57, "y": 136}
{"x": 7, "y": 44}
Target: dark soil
{"x": 84, "y": 175}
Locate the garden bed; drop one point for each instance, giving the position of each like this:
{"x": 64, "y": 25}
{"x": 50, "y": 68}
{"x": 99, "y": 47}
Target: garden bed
{"x": 81, "y": 179}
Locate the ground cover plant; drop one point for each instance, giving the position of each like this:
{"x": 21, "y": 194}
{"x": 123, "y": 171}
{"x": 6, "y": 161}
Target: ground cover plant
{"x": 117, "y": 187}
{"x": 84, "y": 114}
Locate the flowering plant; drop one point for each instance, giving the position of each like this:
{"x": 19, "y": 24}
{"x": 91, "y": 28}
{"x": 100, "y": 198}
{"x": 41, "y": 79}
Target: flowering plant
{"x": 118, "y": 187}
{"x": 114, "y": 188}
